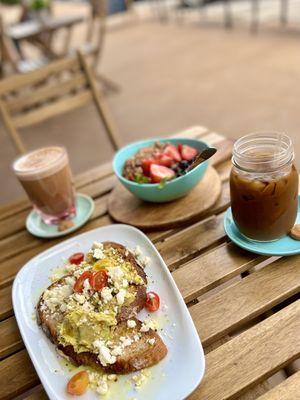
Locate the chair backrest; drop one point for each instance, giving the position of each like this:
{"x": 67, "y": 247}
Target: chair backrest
{"x": 59, "y": 87}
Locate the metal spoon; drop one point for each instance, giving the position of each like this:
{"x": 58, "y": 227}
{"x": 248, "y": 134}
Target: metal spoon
{"x": 203, "y": 156}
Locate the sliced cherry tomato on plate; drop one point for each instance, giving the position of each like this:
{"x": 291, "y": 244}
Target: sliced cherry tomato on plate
{"x": 159, "y": 172}
{"x": 188, "y": 152}
{"x": 78, "y": 287}
{"x": 99, "y": 280}
{"x": 152, "y": 301}
{"x": 171, "y": 151}
{"x": 78, "y": 384}
{"x": 76, "y": 258}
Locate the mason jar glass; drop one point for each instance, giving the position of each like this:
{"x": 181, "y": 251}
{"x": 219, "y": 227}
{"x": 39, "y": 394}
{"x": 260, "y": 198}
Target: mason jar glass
{"x": 264, "y": 186}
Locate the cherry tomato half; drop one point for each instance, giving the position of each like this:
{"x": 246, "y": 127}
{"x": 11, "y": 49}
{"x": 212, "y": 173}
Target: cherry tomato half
{"x": 76, "y": 258}
{"x": 152, "y": 301}
{"x": 99, "y": 280}
{"x": 78, "y": 287}
{"x": 78, "y": 384}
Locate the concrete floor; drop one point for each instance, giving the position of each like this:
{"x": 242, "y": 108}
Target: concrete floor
{"x": 174, "y": 76}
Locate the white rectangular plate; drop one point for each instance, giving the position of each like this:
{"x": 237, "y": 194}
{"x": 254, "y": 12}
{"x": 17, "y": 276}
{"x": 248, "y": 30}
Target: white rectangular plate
{"x": 174, "y": 378}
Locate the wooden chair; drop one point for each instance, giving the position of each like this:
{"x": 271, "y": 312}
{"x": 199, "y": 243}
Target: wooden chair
{"x": 94, "y": 40}
{"x": 10, "y": 57}
{"x": 59, "y": 87}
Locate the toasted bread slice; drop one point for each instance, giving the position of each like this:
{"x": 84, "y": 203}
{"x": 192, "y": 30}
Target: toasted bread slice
{"x": 126, "y": 312}
{"x": 139, "y": 290}
{"x": 140, "y": 354}
{"x": 49, "y": 321}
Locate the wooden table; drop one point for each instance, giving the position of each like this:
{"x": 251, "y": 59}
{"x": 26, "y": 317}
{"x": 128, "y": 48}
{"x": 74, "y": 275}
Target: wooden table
{"x": 28, "y": 29}
{"x": 40, "y": 33}
{"x": 248, "y": 317}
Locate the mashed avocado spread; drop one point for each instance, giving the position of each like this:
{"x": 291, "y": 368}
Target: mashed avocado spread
{"x": 90, "y": 316}
{"x": 80, "y": 328}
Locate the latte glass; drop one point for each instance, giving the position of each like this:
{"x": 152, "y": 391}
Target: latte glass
{"x": 46, "y": 177}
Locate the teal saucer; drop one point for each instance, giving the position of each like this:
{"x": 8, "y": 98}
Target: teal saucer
{"x": 286, "y": 246}
{"x": 84, "y": 209}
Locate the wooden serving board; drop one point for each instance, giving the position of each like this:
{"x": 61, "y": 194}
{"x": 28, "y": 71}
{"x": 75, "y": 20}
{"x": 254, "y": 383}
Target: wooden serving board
{"x": 128, "y": 209}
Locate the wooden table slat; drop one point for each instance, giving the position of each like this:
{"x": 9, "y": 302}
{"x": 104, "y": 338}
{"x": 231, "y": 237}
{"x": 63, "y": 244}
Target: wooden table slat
{"x": 192, "y": 132}
{"x": 256, "y": 294}
{"x": 11, "y": 340}
{"x": 289, "y": 389}
{"x": 17, "y": 375}
{"x": 6, "y": 302}
{"x": 252, "y": 356}
{"x": 224, "y": 169}
{"x": 189, "y": 242}
{"x": 94, "y": 174}
{"x": 38, "y": 393}
{"x": 213, "y": 268}
{"x": 101, "y": 187}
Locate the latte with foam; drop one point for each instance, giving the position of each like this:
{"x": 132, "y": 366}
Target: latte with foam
{"x": 46, "y": 177}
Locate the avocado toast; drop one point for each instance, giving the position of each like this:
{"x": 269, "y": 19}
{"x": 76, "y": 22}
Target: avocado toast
{"x": 90, "y": 313}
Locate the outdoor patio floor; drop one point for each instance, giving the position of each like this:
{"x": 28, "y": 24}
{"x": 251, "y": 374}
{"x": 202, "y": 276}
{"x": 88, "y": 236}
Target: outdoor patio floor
{"x": 174, "y": 76}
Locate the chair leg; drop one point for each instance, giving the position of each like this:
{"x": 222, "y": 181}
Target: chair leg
{"x": 101, "y": 105}
{"x": 228, "y": 23}
{"x": 284, "y": 12}
{"x": 11, "y": 129}
{"x": 109, "y": 84}
{"x": 255, "y": 16}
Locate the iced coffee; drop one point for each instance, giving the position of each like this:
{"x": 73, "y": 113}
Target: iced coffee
{"x": 46, "y": 177}
{"x": 264, "y": 186}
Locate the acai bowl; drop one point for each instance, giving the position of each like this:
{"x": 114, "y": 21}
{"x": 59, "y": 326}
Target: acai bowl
{"x": 174, "y": 186}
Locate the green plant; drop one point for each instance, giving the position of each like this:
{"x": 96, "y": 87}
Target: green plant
{"x": 10, "y": 2}
{"x": 37, "y": 5}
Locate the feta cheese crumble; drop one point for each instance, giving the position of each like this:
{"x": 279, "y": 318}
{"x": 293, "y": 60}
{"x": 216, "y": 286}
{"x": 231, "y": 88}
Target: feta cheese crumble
{"x": 98, "y": 254}
{"x": 148, "y": 324}
{"x": 121, "y": 296}
{"x": 106, "y": 294}
{"x": 115, "y": 274}
{"x": 104, "y": 354}
{"x": 131, "y": 323}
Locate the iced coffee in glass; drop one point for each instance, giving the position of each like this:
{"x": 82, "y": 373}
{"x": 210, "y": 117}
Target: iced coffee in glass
{"x": 46, "y": 177}
{"x": 264, "y": 186}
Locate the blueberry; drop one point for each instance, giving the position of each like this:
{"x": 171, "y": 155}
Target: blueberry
{"x": 183, "y": 164}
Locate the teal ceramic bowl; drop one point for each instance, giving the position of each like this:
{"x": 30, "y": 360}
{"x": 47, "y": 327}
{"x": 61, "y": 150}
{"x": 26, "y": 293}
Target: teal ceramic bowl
{"x": 173, "y": 189}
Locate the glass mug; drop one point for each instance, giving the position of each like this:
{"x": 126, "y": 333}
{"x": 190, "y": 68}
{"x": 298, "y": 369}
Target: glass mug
{"x": 264, "y": 186}
{"x": 46, "y": 177}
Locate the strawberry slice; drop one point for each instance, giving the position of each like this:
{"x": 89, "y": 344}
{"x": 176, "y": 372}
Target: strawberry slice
{"x": 172, "y": 152}
{"x": 165, "y": 160}
{"x": 160, "y": 172}
{"x": 188, "y": 152}
{"x": 146, "y": 164}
